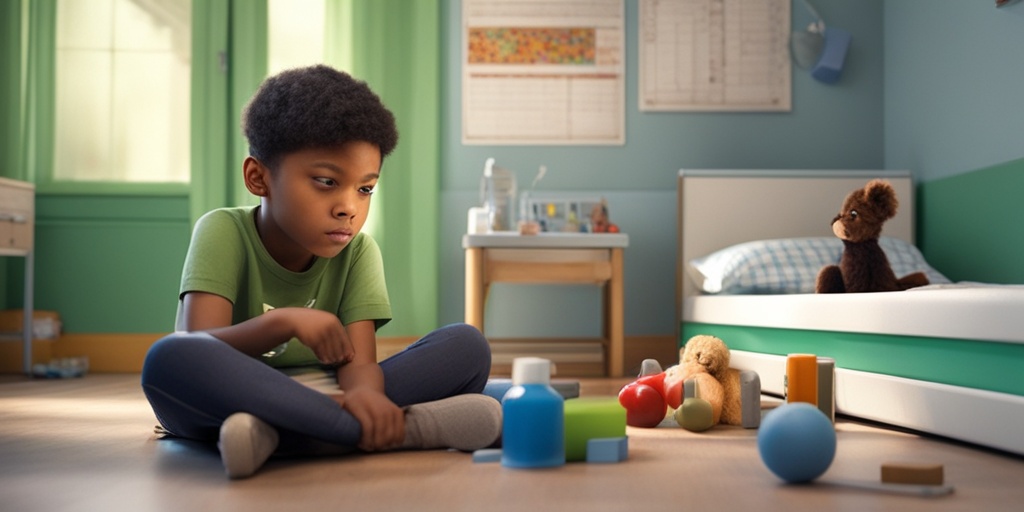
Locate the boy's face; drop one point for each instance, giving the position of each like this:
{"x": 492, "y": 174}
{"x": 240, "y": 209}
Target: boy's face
{"x": 315, "y": 202}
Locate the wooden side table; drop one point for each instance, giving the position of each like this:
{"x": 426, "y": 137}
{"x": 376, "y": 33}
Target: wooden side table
{"x": 551, "y": 258}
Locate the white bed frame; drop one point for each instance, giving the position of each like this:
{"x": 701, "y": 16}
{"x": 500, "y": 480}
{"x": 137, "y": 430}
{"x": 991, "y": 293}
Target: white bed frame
{"x": 719, "y": 208}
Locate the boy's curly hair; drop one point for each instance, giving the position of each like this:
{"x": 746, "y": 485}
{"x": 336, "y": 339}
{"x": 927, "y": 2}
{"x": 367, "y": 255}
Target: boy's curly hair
{"x": 314, "y": 107}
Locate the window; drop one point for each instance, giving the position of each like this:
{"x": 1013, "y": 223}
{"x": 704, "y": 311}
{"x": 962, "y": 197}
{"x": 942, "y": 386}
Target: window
{"x": 123, "y": 76}
{"x": 296, "y": 34}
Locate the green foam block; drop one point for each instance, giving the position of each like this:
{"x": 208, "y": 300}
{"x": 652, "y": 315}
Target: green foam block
{"x": 590, "y": 418}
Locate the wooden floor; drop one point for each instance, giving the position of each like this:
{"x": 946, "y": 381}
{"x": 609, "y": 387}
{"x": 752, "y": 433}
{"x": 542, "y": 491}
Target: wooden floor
{"x": 87, "y": 444}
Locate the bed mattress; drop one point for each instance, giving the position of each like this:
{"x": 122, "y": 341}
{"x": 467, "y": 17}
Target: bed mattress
{"x": 966, "y": 311}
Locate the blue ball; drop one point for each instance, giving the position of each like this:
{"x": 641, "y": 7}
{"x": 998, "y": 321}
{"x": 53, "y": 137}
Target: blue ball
{"x": 797, "y": 442}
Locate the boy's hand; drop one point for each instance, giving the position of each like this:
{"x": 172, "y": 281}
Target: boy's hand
{"x": 383, "y": 422}
{"x": 322, "y": 332}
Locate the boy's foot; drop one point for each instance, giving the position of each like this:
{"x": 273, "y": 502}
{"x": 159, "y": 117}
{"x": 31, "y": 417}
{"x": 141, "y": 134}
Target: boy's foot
{"x": 464, "y": 422}
{"x": 245, "y": 444}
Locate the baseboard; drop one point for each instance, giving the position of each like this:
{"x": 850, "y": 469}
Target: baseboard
{"x": 569, "y": 357}
{"x": 124, "y": 353}
{"x": 107, "y": 353}
{"x": 11, "y": 349}
{"x": 586, "y": 360}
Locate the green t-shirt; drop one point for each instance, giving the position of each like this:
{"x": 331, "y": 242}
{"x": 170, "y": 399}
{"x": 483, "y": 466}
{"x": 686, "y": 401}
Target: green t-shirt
{"x": 227, "y": 258}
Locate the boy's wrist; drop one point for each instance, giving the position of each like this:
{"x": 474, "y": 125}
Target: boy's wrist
{"x": 355, "y": 376}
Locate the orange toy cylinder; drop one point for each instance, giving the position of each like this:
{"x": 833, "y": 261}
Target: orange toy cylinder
{"x": 802, "y": 378}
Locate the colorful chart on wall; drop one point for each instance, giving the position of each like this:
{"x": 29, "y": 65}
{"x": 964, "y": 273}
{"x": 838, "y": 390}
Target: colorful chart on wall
{"x": 543, "y": 72}
{"x": 715, "y": 55}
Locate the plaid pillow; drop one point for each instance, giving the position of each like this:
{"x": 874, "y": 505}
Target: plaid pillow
{"x": 906, "y": 259}
{"x": 790, "y": 265}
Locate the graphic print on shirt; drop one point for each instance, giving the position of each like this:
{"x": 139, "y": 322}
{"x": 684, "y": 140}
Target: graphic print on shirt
{"x": 278, "y": 350}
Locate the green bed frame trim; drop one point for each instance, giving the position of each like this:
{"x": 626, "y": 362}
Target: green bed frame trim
{"x": 991, "y": 366}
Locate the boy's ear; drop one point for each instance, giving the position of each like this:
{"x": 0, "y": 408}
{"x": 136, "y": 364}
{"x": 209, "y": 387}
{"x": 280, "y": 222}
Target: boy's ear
{"x": 256, "y": 176}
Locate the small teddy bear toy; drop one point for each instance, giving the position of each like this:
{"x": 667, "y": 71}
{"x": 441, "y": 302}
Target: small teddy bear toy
{"x": 863, "y": 266}
{"x": 705, "y": 360}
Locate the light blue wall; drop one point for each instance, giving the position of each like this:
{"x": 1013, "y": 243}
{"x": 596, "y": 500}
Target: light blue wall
{"x": 954, "y": 71}
{"x": 954, "y": 85}
{"x": 837, "y": 126}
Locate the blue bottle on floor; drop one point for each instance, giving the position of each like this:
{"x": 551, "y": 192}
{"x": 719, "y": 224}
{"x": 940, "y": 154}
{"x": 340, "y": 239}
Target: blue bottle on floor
{"x": 533, "y": 417}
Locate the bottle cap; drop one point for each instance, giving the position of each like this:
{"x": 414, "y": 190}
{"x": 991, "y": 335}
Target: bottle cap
{"x": 531, "y": 370}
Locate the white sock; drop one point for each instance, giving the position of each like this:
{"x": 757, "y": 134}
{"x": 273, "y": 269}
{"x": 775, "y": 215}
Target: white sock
{"x": 245, "y": 444}
{"x": 464, "y": 422}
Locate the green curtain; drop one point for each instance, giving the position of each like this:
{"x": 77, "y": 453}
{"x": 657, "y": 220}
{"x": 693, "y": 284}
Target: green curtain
{"x": 396, "y": 50}
{"x": 27, "y": 88}
{"x": 11, "y": 114}
{"x": 229, "y": 60}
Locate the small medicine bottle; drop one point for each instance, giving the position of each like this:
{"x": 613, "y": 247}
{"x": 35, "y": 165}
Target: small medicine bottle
{"x": 533, "y": 417}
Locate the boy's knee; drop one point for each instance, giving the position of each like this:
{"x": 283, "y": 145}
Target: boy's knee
{"x": 470, "y": 339}
{"x": 170, "y": 349}
{"x": 474, "y": 349}
{"x": 465, "y": 330}
{"x": 174, "y": 342}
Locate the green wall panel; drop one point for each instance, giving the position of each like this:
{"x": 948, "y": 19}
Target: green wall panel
{"x": 110, "y": 264}
{"x": 969, "y": 226}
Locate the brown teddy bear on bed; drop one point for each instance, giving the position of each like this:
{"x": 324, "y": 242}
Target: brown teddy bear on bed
{"x": 863, "y": 266}
{"x": 705, "y": 359}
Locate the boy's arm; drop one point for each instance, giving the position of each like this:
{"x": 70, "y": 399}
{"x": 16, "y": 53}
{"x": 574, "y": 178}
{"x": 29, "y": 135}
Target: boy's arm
{"x": 212, "y": 313}
{"x": 319, "y": 330}
{"x": 362, "y": 381}
{"x": 362, "y": 370}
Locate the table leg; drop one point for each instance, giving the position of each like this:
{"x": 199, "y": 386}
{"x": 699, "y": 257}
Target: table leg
{"x": 615, "y": 316}
{"x": 28, "y": 313}
{"x": 476, "y": 290}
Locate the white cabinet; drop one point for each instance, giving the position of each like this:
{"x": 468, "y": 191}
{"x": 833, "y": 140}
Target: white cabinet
{"x": 17, "y": 238}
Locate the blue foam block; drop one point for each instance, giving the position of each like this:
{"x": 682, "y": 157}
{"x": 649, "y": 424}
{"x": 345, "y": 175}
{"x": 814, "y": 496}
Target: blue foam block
{"x": 830, "y": 64}
{"x": 487, "y": 455}
{"x": 496, "y": 388}
{"x": 607, "y": 449}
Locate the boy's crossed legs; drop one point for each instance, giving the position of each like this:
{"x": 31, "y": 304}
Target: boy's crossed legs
{"x": 203, "y": 389}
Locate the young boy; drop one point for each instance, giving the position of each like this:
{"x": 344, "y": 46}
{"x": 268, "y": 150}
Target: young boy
{"x": 292, "y": 286}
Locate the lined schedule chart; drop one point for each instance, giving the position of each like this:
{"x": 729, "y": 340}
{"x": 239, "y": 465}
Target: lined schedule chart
{"x": 715, "y": 55}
